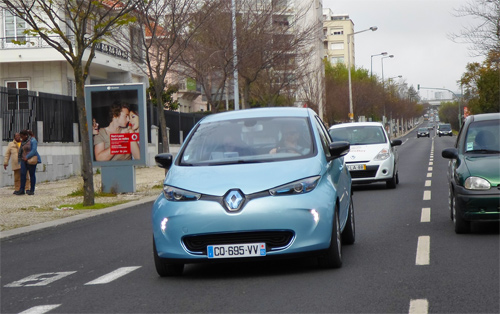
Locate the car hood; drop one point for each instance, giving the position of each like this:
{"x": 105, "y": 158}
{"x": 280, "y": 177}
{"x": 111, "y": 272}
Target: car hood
{"x": 249, "y": 178}
{"x": 484, "y": 166}
{"x": 359, "y": 153}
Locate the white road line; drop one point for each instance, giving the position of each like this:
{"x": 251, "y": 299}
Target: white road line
{"x": 429, "y": 175}
{"x": 431, "y": 163}
{"x": 39, "y": 279}
{"x": 429, "y": 169}
{"x": 427, "y": 195}
{"x": 113, "y": 275}
{"x": 40, "y": 309}
{"x": 423, "y": 250}
{"x": 419, "y": 306}
{"x": 428, "y": 182}
{"x": 426, "y": 215}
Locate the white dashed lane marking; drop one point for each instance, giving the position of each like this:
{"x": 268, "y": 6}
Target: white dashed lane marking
{"x": 428, "y": 182}
{"x": 423, "y": 250}
{"x": 427, "y": 195}
{"x": 419, "y": 306}
{"x": 41, "y": 309}
{"x": 39, "y": 279}
{"x": 113, "y": 275}
{"x": 426, "y": 215}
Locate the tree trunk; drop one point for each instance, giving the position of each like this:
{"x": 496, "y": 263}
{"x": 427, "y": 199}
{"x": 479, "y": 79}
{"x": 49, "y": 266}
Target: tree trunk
{"x": 87, "y": 172}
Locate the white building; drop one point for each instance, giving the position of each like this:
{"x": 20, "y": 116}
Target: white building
{"x": 336, "y": 28}
{"x": 35, "y": 66}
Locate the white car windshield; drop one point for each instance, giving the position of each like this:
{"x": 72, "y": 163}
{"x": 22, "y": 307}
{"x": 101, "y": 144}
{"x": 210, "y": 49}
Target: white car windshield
{"x": 359, "y": 135}
{"x": 248, "y": 140}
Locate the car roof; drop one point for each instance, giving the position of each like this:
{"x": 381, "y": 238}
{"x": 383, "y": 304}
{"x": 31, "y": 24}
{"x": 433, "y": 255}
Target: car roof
{"x": 486, "y": 116}
{"x": 349, "y": 124}
{"x": 259, "y": 112}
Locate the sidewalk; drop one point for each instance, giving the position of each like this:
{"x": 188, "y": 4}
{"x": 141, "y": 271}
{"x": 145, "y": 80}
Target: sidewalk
{"x": 24, "y": 213}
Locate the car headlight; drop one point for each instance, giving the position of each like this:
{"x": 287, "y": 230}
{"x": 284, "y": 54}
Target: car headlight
{"x": 475, "y": 183}
{"x": 298, "y": 187}
{"x": 175, "y": 194}
{"x": 383, "y": 154}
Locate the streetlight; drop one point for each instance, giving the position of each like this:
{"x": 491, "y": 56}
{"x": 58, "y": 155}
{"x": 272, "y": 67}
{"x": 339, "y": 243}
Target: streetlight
{"x": 399, "y": 76}
{"x": 351, "y": 110}
{"x": 371, "y": 61}
{"x": 382, "y": 60}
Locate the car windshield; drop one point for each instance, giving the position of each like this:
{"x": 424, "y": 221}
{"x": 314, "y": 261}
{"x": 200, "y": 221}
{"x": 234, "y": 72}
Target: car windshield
{"x": 248, "y": 141}
{"x": 359, "y": 135}
{"x": 422, "y": 130}
{"x": 483, "y": 137}
{"x": 445, "y": 127}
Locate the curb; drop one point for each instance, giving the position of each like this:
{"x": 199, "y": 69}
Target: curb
{"x": 48, "y": 224}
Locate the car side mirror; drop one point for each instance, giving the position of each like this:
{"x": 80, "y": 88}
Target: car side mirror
{"x": 164, "y": 160}
{"x": 339, "y": 149}
{"x": 450, "y": 153}
{"x": 396, "y": 143}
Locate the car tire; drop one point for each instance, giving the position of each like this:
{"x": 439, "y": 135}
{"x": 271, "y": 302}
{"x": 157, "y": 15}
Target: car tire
{"x": 391, "y": 183}
{"x": 164, "y": 268}
{"x": 349, "y": 233}
{"x": 461, "y": 225}
{"x": 332, "y": 257}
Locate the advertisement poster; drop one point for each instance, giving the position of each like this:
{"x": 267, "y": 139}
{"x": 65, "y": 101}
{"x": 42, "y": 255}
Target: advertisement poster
{"x": 117, "y": 122}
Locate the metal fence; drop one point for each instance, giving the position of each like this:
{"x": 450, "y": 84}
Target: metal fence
{"x": 22, "y": 109}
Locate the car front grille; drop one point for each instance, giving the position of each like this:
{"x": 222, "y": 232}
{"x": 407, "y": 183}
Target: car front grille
{"x": 370, "y": 172}
{"x": 273, "y": 240}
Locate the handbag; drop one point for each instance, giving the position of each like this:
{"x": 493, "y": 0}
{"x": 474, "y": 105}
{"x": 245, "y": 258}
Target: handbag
{"x": 33, "y": 160}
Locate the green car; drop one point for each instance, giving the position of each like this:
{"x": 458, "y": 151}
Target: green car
{"x": 474, "y": 172}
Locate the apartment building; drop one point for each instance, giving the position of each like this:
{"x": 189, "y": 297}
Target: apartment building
{"x": 36, "y": 66}
{"x": 336, "y": 28}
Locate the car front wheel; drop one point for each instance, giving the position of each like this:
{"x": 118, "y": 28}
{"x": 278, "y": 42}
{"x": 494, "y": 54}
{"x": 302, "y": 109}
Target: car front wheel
{"x": 461, "y": 225}
{"x": 164, "y": 268}
{"x": 332, "y": 257}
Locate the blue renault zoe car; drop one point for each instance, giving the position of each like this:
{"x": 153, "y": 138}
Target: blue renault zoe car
{"x": 254, "y": 184}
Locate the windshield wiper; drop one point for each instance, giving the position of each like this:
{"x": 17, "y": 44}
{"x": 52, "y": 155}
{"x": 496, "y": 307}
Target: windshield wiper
{"x": 484, "y": 151}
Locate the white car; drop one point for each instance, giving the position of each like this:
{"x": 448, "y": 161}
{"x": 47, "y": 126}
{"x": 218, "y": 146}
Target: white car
{"x": 372, "y": 157}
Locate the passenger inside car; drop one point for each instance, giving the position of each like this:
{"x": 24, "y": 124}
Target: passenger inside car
{"x": 483, "y": 140}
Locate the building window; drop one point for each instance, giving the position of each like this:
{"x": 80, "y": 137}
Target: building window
{"x": 14, "y": 27}
{"x": 18, "y": 95}
{"x": 337, "y": 46}
{"x": 338, "y": 33}
{"x": 336, "y": 60}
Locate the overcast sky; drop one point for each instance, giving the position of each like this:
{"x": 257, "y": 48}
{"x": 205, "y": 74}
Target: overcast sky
{"x": 416, "y": 33}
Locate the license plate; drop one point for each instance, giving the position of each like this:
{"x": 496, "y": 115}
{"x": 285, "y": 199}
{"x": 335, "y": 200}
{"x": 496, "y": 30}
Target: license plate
{"x": 356, "y": 167}
{"x": 236, "y": 250}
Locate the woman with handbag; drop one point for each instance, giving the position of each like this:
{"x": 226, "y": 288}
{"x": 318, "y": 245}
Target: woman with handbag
{"x": 28, "y": 158}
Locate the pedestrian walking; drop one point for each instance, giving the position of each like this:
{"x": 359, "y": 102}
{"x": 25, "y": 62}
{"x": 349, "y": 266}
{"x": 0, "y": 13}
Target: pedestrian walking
{"x": 11, "y": 156}
{"x": 28, "y": 157}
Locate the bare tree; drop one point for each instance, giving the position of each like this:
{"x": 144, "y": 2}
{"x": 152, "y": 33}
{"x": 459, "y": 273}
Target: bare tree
{"x": 169, "y": 26}
{"x": 484, "y": 36}
{"x": 74, "y": 28}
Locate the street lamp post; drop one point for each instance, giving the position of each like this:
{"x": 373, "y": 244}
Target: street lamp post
{"x": 382, "y": 60}
{"x": 351, "y": 110}
{"x": 371, "y": 61}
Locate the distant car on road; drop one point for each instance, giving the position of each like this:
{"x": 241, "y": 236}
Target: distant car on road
{"x": 444, "y": 130}
{"x": 372, "y": 157}
{"x": 423, "y": 132}
{"x": 254, "y": 184}
{"x": 474, "y": 172}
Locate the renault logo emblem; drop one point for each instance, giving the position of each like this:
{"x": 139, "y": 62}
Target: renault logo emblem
{"x": 234, "y": 200}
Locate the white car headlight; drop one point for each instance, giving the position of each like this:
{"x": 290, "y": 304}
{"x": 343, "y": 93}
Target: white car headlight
{"x": 298, "y": 187}
{"x": 475, "y": 183}
{"x": 174, "y": 194}
{"x": 383, "y": 154}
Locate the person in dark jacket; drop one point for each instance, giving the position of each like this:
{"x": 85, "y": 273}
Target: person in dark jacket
{"x": 28, "y": 149}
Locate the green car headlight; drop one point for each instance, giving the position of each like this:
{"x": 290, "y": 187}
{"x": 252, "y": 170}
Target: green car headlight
{"x": 476, "y": 183}
{"x": 175, "y": 194}
{"x": 298, "y": 187}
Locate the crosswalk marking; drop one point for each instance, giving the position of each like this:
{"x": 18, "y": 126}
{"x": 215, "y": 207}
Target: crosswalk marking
{"x": 113, "y": 275}
{"x": 41, "y": 309}
{"x": 40, "y": 279}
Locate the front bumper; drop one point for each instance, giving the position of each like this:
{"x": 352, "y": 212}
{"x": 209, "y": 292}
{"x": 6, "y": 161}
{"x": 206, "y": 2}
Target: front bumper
{"x": 304, "y": 222}
{"x": 478, "y": 205}
{"x": 375, "y": 171}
